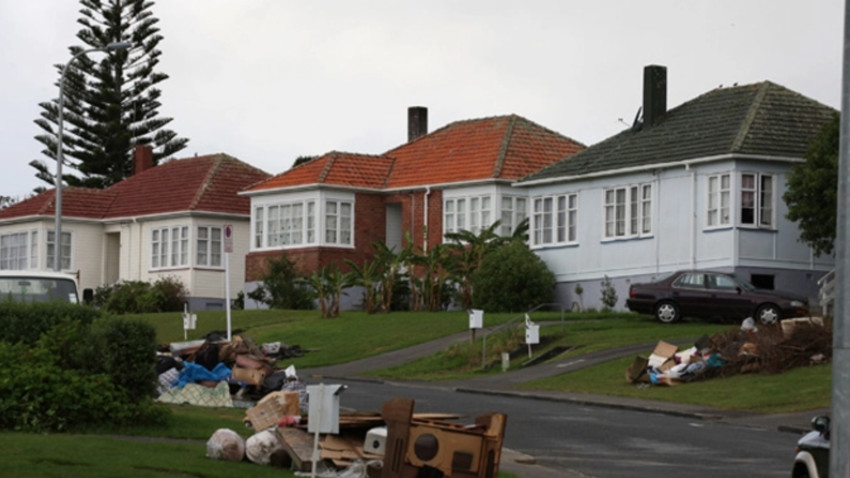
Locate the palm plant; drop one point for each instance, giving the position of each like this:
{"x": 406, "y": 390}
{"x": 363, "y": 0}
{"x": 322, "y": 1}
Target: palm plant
{"x": 368, "y": 277}
{"x": 469, "y": 251}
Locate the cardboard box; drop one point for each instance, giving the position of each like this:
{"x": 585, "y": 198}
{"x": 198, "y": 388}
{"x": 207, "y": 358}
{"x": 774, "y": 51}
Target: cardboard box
{"x": 249, "y": 376}
{"x": 272, "y": 409}
{"x": 662, "y": 356}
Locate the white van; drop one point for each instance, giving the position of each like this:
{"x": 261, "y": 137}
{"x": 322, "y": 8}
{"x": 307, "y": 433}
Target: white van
{"x": 32, "y": 286}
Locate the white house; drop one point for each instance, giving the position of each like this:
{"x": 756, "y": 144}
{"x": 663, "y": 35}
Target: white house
{"x": 698, "y": 186}
{"x": 165, "y": 221}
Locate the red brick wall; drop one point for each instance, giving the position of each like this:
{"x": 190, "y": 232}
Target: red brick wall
{"x": 413, "y": 223}
{"x": 370, "y": 226}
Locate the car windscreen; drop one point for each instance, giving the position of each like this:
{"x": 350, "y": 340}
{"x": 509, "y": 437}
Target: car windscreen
{"x": 38, "y": 289}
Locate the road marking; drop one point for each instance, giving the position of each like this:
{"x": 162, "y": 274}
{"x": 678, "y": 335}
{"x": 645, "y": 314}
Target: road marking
{"x": 561, "y": 365}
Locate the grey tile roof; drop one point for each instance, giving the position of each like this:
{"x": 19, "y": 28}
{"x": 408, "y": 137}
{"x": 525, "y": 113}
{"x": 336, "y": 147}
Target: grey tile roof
{"x": 758, "y": 119}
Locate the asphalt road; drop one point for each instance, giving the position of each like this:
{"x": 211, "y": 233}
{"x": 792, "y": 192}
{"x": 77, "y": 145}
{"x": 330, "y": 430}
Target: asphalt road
{"x": 568, "y": 439}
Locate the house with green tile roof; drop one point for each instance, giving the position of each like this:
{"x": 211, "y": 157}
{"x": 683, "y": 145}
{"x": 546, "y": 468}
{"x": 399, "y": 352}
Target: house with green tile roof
{"x": 455, "y": 178}
{"x": 164, "y": 221}
{"x": 698, "y": 186}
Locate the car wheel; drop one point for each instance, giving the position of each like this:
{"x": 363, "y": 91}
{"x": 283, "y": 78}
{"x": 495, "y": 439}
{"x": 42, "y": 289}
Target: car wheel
{"x": 666, "y": 312}
{"x": 768, "y": 314}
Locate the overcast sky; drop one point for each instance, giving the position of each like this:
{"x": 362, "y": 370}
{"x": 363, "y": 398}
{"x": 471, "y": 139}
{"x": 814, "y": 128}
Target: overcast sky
{"x": 268, "y": 81}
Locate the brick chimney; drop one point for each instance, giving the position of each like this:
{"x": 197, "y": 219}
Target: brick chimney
{"x": 654, "y": 94}
{"x": 417, "y": 122}
{"x": 142, "y": 159}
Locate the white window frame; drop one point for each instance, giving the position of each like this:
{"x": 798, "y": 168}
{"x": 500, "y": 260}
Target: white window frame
{"x": 67, "y": 248}
{"x": 627, "y": 211}
{"x": 554, "y": 219}
{"x": 472, "y": 213}
{"x": 718, "y": 204}
{"x": 514, "y": 211}
{"x": 760, "y": 198}
{"x": 169, "y": 247}
{"x": 209, "y": 246}
{"x": 19, "y": 250}
{"x": 285, "y": 224}
{"x": 339, "y": 222}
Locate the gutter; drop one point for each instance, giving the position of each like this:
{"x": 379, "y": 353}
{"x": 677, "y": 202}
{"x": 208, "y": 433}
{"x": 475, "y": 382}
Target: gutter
{"x": 687, "y": 163}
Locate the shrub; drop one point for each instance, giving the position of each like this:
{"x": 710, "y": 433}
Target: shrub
{"x": 609, "y": 295}
{"x": 25, "y": 322}
{"x": 282, "y": 287}
{"x": 167, "y": 294}
{"x": 170, "y": 294}
{"x": 126, "y": 349}
{"x": 44, "y": 391}
{"x": 512, "y": 278}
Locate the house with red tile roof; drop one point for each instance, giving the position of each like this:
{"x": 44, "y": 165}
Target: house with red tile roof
{"x": 164, "y": 221}
{"x": 698, "y": 186}
{"x": 456, "y": 178}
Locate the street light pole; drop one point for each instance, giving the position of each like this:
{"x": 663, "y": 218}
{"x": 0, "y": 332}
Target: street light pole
{"x": 60, "y": 157}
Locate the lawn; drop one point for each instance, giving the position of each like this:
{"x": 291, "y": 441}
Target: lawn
{"x": 178, "y": 448}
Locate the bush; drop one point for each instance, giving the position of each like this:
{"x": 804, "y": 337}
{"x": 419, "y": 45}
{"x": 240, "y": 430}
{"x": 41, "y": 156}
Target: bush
{"x": 511, "y": 279}
{"x": 609, "y": 295}
{"x": 282, "y": 288}
{"x": 46, "y": 388}
{"x": 167, "y": 294}
{"x": 125, "y": 351}
{"x": 25, "y": 322}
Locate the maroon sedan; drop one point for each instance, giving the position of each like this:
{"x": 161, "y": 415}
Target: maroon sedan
{"x": 709, "y": 294}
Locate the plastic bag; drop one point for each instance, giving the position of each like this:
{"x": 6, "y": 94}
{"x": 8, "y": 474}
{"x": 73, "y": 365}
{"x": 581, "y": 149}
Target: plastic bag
{"x": 226, "y": 444}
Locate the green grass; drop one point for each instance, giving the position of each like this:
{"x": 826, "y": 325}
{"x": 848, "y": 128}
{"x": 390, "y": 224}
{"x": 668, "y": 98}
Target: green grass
{"x": 178, "y": 448}
{"x": 351, "y": 336}
{"x": 575, "y": 335}
{"x": 799, "y": 389}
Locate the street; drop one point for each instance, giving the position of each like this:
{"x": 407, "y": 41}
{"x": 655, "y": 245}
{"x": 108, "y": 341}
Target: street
{"x": 598, "y": 441}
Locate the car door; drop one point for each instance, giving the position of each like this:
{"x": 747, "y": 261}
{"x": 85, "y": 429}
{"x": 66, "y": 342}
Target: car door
{"x": 727, "y": 301}
{"x": 690, "y": 293}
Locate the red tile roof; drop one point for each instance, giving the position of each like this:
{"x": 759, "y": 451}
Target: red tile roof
{"x": 340, "y": 169}
{"x": 503, "y": 147}
{"x": 204, "y": 183}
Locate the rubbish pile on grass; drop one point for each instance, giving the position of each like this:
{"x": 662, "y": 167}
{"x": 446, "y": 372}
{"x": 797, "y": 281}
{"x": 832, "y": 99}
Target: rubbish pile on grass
{"x": 215, "y": 372}
{"x": 773, "y": 348}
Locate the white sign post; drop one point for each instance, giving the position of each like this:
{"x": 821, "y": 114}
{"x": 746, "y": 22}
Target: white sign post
{"x": 228, "y": 248}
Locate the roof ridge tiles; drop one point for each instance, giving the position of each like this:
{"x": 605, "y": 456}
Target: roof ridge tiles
{"x": 747, "y": 122}
{"x": 503, "y": 148}
{"x": 205, "y": 184}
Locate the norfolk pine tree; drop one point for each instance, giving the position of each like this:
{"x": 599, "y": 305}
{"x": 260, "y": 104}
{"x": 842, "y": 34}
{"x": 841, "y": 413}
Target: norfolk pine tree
{"x": 111, "y": 101}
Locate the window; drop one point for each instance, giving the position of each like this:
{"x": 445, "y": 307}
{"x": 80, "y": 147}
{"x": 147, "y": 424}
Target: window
{"x": 209, "y": 246}
{"x": 284, "y": 224}
{"x": 338, "y": 220}
{"x": 554, "y": 219}
{"x": 628, "y": 211}
{"x": 718, "y": 200}
{"x": 66, "y": 250}
{"x": 692, "y": 280}
{"x": 258, "y": 227}
{"x": 513, "y": 213}
{"x": 19, "y": 251}
{"x": 467, "y": 214}
{"x": 169, "y": 247}
{"x": 757, "y": 200}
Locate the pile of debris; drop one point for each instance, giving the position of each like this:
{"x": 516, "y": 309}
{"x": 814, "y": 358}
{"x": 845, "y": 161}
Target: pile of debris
{"x": 395, "y": 444}
{"x": 749, "y": 349}
{"x": 214, "y": 371}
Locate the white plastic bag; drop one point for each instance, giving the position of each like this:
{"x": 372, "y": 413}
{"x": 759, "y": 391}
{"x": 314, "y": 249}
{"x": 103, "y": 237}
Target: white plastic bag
{"x": 226, "y": 444}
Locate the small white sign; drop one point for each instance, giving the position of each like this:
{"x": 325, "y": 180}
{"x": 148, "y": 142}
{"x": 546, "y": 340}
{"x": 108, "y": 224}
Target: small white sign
{"x": 228, "y": 238}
